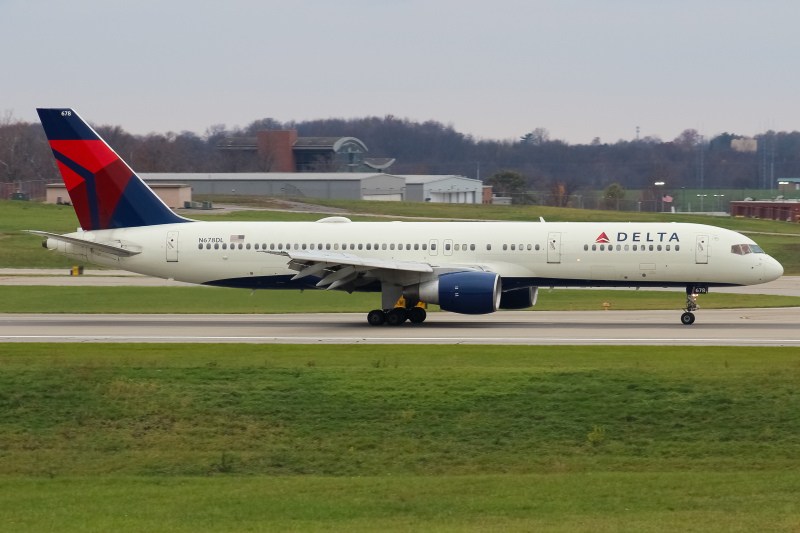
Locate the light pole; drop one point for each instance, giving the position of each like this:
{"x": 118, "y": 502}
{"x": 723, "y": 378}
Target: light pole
{"x": 719, "y": 198}
{"x": 660, "y": 193}
{"x": 701, "y": 196}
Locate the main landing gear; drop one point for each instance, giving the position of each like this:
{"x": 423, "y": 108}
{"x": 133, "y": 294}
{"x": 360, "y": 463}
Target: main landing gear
{"x": 396, "y": 316}
{"x": 687, "y": 318}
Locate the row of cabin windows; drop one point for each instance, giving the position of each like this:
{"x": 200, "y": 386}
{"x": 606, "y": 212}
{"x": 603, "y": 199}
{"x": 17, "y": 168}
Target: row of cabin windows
{"x": 635, "y": 247}
{"x": 335, "y": 246}
{"x": 353, "y": 246}
{"x": 424, "y": 246}
{"x": 514, "y": 247}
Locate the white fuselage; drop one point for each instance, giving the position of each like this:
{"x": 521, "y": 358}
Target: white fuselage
{"x": 245, "y": 254}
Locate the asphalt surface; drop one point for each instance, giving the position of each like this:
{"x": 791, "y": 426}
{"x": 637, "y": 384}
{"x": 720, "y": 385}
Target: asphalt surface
{"x": 716, "y": 327}
{"x": 725, "y": 327}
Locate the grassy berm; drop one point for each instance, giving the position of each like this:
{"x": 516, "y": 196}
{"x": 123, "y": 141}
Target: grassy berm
{"x": 445, "y": 438}
{"x": 377, "y": 410}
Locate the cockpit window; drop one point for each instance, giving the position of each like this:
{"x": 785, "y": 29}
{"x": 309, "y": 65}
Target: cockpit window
{"x": 744, "y": 249}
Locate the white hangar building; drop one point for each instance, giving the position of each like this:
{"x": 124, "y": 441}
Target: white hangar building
{"x": 443, "y": 189}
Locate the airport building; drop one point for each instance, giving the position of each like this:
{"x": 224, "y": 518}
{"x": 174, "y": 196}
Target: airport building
{"x": 443, "y": 189}
{"x": 284, "y": 151}
{"x": 333, "y": 185}
{"x": 175, "y": 189}
{"x": 778, "y": 209}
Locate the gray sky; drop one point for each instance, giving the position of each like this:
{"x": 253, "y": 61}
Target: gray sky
{"x": 580, "y": 68}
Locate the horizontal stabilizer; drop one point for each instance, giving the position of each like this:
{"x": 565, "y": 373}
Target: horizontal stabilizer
{"x": 105, "y": 248}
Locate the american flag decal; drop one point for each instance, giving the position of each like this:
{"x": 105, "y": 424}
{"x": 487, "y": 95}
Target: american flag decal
{"x": 237, "y": 238}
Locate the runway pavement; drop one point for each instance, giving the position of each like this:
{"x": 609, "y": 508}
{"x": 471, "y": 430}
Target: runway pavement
{"x": 723, "y": 327}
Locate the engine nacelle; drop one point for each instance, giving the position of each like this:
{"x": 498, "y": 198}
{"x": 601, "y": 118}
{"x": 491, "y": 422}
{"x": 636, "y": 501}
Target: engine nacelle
{"x": 519, "y": 298}
{"x": 469, "y": 293}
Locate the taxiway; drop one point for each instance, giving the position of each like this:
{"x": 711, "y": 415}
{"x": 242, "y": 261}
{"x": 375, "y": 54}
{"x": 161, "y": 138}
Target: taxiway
{"x": 714, "y": 327}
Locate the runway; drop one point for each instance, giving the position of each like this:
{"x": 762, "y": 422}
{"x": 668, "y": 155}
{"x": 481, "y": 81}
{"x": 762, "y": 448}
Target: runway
{"x": 716, "y": 327}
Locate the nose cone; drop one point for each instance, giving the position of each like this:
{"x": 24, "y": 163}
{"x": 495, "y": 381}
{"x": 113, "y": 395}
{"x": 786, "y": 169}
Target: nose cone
{"x": 772, "y": 270}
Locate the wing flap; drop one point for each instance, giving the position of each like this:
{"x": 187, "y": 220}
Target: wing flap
{"x": 308, "y": 261}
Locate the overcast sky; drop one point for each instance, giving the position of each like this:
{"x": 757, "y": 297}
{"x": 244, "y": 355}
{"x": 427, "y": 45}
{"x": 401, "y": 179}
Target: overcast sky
{"x": 494, "y": 69}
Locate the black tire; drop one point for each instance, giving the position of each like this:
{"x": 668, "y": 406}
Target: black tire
{"x": 396, "y": 316}
{"x": 687, "y": 319}
{"x": 376, "y": 317}
{"x": 417, "y": 315}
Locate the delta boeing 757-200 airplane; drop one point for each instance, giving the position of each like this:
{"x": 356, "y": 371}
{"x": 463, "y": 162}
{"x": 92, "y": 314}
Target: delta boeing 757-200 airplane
{"x": 464, "y": 267}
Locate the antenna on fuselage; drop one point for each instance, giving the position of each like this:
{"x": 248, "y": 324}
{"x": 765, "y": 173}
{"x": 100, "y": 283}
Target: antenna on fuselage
{"x": 541, "y": 219}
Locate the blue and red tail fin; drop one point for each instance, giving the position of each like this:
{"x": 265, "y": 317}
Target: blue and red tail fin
{"x": 104, "y": 191}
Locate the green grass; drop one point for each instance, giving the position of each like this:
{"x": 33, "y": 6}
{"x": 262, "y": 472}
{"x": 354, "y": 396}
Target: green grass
{"x": 45, "y": 299}
{"x": 568, "y": 503}
{"x": 363, "y": 438}
{"x": 202, "y": 410}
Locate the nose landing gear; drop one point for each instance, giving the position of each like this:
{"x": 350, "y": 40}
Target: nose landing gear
{"x": 687, "y": 318}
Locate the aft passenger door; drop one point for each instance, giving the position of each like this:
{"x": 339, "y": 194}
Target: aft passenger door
{"x": 172, "y": 246}
{"x": 701, "y": 250}
{"x": 553, "y": 247}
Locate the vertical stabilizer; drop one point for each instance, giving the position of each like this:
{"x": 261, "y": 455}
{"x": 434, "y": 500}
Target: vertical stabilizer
{"x": 104, "y": 191}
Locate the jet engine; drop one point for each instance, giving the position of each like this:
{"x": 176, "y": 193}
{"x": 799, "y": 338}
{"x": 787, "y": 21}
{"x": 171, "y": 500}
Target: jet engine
{"x": 469, "y": 293}
{"x": 519, "y": 298}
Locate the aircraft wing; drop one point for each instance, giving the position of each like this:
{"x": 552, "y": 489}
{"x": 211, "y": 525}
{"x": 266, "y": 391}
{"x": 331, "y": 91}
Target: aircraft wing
{"x": 106, "y": 248}
{"x": 338, "y": 269}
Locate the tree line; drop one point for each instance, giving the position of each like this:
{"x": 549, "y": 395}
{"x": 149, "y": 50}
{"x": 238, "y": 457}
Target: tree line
{"x": 545, "y": 164}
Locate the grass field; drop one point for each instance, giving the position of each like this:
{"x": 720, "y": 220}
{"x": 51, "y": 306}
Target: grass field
{"x": 360, "y": 438}
{"x": 44, "y": 299}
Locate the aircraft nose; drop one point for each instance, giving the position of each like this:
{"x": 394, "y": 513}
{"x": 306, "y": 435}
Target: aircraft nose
{"x": 772, "y": 270}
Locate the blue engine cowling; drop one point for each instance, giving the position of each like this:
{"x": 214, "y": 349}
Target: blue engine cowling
{"x": 470, "y": 293}
{"x": 519, "y": 298}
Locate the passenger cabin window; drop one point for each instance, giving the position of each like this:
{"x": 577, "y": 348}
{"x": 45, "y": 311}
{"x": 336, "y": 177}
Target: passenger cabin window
{"x": 488, "y": 246}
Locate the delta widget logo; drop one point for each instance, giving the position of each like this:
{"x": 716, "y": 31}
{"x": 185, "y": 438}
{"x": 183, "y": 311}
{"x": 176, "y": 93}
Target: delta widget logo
{"x": 603, "y": 238}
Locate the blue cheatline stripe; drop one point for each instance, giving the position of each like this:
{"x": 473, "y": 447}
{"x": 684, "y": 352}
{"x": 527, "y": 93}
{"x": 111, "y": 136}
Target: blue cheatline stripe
{"x": 91, "y": 188}
{"x": 65, "y": 125}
